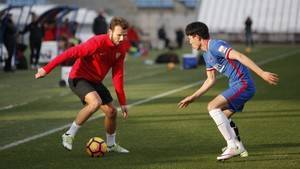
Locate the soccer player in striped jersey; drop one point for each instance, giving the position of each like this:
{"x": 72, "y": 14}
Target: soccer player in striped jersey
{"x": 220, "y": 57}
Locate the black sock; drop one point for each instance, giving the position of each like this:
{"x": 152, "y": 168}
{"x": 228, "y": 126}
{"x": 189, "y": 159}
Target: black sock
{"x": 236, "y": 130}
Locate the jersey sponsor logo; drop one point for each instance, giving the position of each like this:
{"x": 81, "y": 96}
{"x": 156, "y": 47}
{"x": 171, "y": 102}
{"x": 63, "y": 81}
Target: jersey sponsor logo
{"x": 219, "y": 67}
{"x": 222, "y": 49}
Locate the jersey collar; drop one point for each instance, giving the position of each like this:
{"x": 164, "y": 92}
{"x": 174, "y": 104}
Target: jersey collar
{"x": 208, "y": 42}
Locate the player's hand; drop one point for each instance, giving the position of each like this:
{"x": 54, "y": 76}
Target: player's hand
{"x": 124, "y": 110}
{"x": 40, "y": 73}
{"x": 185, "y": 102}
{"x": 271, "y": 78}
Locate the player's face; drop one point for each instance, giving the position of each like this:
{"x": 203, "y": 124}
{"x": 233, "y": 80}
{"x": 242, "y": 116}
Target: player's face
{"x": 118, "y": 34}
{"x": 194, "y": 41}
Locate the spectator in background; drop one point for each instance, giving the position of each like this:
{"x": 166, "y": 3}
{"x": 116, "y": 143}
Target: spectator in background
{"x": 162, "y": 35}
{"x": 9, "y": 39}
{"x": 248, "y": 34}
{"x": 179, "y": 37}
{"x": 73, "y": 25}
{"x": 49, "y": 30}
{"x": 64, "y": 34}
{"x": 35, "y": 30}
{"x": 64, "y": 29}
{"x": 133, "y": 36}
{"x": 100, "y": 24}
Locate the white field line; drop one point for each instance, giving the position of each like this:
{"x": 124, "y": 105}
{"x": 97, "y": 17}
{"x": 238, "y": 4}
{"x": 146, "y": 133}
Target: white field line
{"x": 11, "y": 106}
{"x": 34, "y": 137}
{"x": 33, "y": 100}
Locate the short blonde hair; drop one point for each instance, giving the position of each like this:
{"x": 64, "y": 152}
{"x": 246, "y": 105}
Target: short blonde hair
{"x": 118, "y": 21}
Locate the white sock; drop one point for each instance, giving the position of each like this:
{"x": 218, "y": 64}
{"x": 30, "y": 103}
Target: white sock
{"x": 224, "y": 126}
{"x": 110, "y": 139}
{"x": 73, "y": 129}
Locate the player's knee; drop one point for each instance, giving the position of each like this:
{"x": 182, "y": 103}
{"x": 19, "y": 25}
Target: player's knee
{"x": 111, "y": 113}
{"x": 211, "y": 106}
{"x": 94, "y": 106}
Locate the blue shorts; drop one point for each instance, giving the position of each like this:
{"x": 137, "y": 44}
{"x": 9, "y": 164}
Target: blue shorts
{"x": 238, "y": 94}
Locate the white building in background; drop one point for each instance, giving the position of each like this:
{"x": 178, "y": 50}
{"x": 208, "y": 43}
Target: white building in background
{"x": 273, "y": 20}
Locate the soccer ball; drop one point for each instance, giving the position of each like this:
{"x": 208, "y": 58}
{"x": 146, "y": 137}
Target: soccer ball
{"x": 96, "y": 147}
{"x": 171, "y": 66}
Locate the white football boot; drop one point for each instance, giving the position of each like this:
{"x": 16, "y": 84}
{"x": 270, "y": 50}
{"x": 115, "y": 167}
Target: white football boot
{"x": 229, "y": 153}
{"x": 67, "y": 141}
{"x": 116, "y": 148}
{"x": 244, "y": 152}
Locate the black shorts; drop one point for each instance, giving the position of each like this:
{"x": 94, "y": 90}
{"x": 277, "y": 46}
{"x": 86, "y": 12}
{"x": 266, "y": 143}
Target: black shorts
{"x": 82, "y": 87}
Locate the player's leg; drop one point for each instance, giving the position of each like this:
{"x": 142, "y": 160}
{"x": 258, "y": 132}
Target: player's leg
{"x": 244, "y": 153}
{"x": 215, "y": 110}
{"x": 110, "y": 123}
{"x": 110, "y": 119}
{"x": 237, "y": 95}
{"x": 32, "y": 55}
{"x": 229, "y": 113}
{"x": 92, "y": 101}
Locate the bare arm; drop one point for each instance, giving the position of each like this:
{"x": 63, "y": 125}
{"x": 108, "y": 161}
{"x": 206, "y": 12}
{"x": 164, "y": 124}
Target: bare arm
{"x": 209, "y": 82}
{"x": 269, "y": 77}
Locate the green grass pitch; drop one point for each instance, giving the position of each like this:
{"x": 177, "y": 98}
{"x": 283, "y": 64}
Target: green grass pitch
{"x": 158, "y": 135}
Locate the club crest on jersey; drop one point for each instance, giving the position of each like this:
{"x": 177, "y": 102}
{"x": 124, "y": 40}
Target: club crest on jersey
{"x": 118, "y": 54}
{"x": 219, "y": 67}
{"x": 222, "y": 49}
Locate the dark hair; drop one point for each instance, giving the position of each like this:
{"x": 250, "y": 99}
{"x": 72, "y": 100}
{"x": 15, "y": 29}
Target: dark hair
{"x": 197, "y": 28}
{"x": 118, "y": 21}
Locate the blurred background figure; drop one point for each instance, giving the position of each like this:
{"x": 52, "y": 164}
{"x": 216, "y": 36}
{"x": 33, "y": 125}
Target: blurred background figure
{"x": 248, "y": 34}
{"x": 64, "y": 33}
{"x": 162, "y": 35}
{"x": 100, "y": 25}
{"x": 36, "y": 32}
{"x": 10, "y": 40}
{"x": 65, "y": 30}
{"x": 134, "y": 41}
{"x": 179, "y": 37}
{"x": 133, "y": 36}
{"x": 49, "y": 30}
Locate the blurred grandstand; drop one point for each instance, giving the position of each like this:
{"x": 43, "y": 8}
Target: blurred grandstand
{"x": 273, "y": 20}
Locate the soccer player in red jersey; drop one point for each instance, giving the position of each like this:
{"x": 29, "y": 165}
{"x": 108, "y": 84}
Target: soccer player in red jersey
{"x": 94, "y": 59}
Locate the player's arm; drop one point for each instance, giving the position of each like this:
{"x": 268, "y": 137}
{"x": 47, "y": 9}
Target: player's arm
{"x": 40, "y": 73}
{"x": 81, "y": 50}
{"x": 118, "y": 81}
{"x": 208, "y": 83}
{"x": 269, "y": 77}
